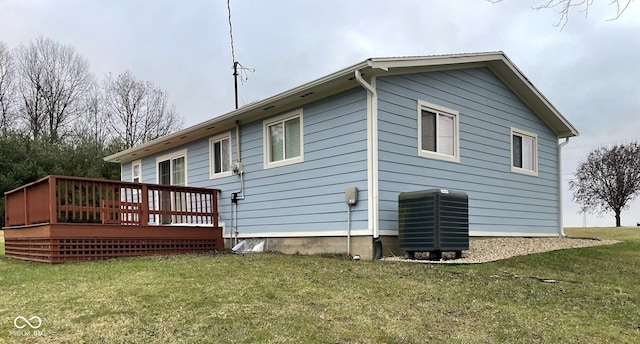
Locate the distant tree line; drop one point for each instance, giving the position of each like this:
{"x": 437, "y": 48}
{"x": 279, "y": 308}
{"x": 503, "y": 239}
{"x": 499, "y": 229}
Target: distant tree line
{"x": 57, "y": 118}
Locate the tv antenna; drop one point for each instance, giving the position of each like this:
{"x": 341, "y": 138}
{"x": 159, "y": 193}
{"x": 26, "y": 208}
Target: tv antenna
{"x": 239, "y": 71}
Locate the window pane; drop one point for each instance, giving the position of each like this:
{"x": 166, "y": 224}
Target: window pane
{"x": 527, "y": 153}
{"x": 428, "y": 131}
{"x": 164, "y": 172}
{"x": 136, "y": 171}
{"x": 276, "y": 143}
{"x": 517, "y": 151}
{"x": 292, "y": 138}
{"x": 217, "y": 163}
{"x": 178, "y": 171}
{"x": 225, "y": 155}
{"x": 445, "y": 134}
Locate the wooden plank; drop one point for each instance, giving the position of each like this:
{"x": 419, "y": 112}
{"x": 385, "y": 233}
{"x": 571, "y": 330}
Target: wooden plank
{"x": 26, "y": 206}
{"x": 53, "y": 218}
{"x": 144, "y": 207}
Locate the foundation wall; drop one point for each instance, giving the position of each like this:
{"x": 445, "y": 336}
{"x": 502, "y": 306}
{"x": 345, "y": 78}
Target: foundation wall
{"x": 360, "y": 245}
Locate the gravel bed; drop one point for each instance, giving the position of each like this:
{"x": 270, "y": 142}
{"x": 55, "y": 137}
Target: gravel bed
{"x": 489, "y": 250}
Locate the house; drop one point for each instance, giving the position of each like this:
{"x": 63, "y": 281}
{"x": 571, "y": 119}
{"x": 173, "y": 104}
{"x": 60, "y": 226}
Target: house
{"x": 467, "y": 122}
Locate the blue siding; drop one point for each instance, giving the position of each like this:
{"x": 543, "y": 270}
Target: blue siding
{"x": 499, "y": 200}
{"x": 307, "y": 196}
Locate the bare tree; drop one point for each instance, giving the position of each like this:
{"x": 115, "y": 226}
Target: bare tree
{"x": 138, "y": 111}
{"x": 565, "y": 7}
{"x": 93, "y": 124}
{"x": 53, "y": 82}
{"x": 7, "y": 90}
{"x": 608, "y": 180}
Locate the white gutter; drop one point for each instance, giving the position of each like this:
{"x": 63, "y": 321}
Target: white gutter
{"x": 238, "y": 159}
{"x": 560, "y": 219}
{"x": 374, "y": 152}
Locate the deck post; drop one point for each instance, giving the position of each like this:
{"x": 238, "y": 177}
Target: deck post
{"x": 214, "y": 208}
{"x": 53, "y": 205}
{"x": 26, "y": 206}
{"x": 144, "y": 207}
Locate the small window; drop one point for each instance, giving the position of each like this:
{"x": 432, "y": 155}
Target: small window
{"x": 524, "y": 152}
{"x": 438, "y": 132}
{"x": 136, "y": 171}
{"x": 283, "y": 140}
{"x": 220, "y": 156}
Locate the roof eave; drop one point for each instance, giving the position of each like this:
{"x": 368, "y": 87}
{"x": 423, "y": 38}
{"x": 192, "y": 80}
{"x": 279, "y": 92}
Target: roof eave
{"x": 509, "y": 73}
{"x": 259, "y": 106}
{"x": 498, "y": 62}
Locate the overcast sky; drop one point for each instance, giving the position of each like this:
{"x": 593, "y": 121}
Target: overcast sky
{"x": 590, "y": 70}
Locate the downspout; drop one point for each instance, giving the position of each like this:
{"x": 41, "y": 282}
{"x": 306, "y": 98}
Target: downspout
{"x": 560, "y": 219}
{"x": 237, "y": 195}
{"x": 377, "y": 243}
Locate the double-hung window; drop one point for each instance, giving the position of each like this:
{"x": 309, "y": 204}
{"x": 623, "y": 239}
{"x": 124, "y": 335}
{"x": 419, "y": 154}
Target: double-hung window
{"x": 220, "y": 156}
{"x": 284, "y": 142}
{"x": 438, "y": 132}
{"x": 524, "y": 152}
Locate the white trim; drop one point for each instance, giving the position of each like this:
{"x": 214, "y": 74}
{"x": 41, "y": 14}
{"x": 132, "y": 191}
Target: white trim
{"x": 376, "y": 159}
{"x": 511, "y": 234}
{"x": 170, "y": 156}
{"x": 439, "y": 110}
{"x": 217, "y": 138}
{"x": 391, "y": 232}
{"x": 370, "y": 165}
{"x": 265, "y": 140}
{"x": 301, "y": 234}
{"x": 523, "y": 133}
{"x": 373, "y": 212}
{"x": 367, "y": 232}
{"x": 559, "y": 175}
{"x": 133, "y": 176}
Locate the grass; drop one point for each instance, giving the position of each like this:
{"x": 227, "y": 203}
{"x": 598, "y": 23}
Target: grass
{"x": 312, "y": 299}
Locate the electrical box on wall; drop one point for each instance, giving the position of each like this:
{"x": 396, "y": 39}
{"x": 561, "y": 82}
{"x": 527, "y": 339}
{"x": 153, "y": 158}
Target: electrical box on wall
{"x": 351, "y": 195}
{"x": 236, "y": 168}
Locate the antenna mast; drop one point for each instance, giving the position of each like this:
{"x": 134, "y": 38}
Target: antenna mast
{"x": 236, "y": 65}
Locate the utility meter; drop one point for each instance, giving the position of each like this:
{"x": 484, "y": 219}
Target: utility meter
{"x": 351, "y": 195}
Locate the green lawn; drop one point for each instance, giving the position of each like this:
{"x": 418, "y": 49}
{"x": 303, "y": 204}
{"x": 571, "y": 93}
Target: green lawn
{"x": 305, "y": 299}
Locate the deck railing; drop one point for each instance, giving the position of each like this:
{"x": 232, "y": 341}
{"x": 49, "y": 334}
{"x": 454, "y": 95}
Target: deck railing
{"x": 58, "y": 199}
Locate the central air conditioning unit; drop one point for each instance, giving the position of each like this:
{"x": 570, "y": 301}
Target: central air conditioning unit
{"x": 433, "y": 221}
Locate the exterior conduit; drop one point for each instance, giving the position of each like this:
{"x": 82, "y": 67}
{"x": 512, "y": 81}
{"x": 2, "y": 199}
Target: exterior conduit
{"x": 374, "y": 167}
{"x": 560, "y": 219}
{"x": 237, "y": 195}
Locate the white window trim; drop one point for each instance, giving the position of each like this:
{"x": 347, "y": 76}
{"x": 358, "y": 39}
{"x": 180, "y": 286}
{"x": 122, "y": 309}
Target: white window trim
{"x": 139, "y": 164}
{"x": 423, "y": 105}
{"x": 519, "y": 132}
{"x": 267, "y": 147}
{"x": 173, "y": 155}
{"x": 212, "y": 174}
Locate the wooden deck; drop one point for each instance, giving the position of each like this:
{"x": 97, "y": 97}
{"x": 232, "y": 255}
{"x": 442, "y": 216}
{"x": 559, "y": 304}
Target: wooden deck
{"x": 59, "y": 219}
